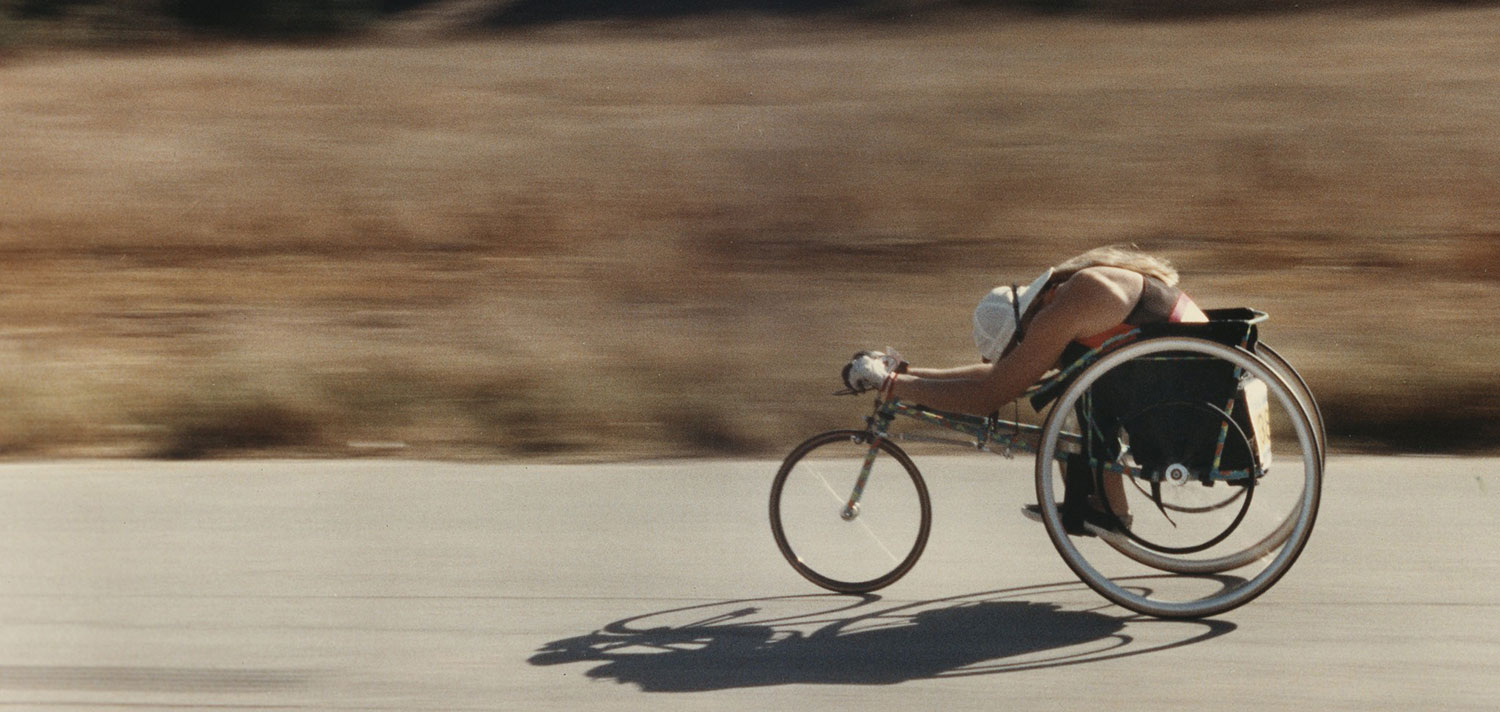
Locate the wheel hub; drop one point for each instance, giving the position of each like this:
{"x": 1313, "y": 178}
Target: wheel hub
{"x": 1178, "y": 473}
{"x": 850, "y": 513}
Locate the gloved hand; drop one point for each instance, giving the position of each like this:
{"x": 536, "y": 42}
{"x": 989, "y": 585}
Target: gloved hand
{"x": 870, "y": 370}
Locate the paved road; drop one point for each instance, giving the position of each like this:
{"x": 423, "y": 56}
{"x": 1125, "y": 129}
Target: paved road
{"x": 378, "y": 585}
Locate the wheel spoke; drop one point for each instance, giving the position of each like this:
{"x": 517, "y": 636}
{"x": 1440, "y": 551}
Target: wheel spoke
{"x": 843, "y": 501}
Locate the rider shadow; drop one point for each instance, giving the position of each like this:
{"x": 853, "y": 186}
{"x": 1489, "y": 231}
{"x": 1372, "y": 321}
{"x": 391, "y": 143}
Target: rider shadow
{"x": 733, "y": 644}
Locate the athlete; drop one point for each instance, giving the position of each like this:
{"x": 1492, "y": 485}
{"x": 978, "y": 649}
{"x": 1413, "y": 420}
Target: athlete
{"x": 1021, "y": 333}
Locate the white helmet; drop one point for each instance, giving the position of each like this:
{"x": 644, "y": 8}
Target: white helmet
{"x": 996, "y": 317}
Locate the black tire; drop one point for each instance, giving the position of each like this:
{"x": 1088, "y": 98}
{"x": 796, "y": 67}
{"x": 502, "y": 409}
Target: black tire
{"x": 836, "y": 547}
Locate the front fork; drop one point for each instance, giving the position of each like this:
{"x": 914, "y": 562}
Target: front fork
{"x": 876, "y": 432}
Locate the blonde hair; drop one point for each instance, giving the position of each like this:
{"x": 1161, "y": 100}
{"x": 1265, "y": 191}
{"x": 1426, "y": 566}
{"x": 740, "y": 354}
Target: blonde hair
{"x": 1122, "y": 256}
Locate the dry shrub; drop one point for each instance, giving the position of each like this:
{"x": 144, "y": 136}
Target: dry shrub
{"x": 637, "y": 245}
{"x": 220, "y": 427}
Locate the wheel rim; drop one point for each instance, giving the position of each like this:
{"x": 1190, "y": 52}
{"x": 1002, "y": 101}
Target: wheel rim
{"x": 842, "y": 549}
{"x": 1226, "y": 576}
{"x": 1309, "y": 404}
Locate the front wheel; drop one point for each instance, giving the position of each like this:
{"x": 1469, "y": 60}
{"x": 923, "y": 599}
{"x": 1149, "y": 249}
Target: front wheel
{"x": 850, "y": 511}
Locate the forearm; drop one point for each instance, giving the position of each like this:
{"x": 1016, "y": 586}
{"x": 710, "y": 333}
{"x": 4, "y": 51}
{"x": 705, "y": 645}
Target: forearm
{"x": 970, "y": 372}
{"x": 977, "y": 395}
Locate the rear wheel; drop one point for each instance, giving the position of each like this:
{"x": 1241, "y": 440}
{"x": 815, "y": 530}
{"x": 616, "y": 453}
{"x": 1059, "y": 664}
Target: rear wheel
{"x": 843, "y": 535}
{"x": 1208, "y": 461}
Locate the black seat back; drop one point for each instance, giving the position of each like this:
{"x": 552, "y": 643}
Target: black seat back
{"x": 1172, "y": 406}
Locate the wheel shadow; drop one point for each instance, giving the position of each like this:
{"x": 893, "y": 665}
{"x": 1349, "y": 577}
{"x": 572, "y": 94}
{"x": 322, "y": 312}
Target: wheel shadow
{"x": 843, "y": 640}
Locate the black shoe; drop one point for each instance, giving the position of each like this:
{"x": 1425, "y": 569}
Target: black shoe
{"x": 1073, "y": 522}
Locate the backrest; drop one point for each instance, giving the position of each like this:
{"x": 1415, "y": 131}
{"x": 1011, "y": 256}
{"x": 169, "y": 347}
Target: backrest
{"x": 1231, "y": 327}
{"x": 1175, "y": 408}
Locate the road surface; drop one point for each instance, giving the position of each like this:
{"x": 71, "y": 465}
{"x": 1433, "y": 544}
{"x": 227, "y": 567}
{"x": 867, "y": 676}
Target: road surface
{"x": 386, "y": 585}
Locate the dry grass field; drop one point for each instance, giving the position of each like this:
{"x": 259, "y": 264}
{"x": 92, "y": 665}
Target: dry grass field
{"x": 664, "y": 239}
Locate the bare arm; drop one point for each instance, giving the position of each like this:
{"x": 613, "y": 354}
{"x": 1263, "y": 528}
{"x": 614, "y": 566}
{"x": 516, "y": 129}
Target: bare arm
{"x": 1090, "y": 302}
{"x": 978, "y": 370}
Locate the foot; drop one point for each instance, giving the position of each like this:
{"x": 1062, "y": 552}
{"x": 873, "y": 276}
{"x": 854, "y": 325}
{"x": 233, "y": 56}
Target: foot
{"x": 1075, "y": 524}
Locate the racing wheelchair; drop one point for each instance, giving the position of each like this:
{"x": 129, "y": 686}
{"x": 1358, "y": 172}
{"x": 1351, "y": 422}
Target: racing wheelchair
{"x": 1178, "y": 473}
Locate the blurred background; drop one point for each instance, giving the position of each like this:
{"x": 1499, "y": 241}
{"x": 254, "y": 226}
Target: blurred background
{"x": 599, "y": 229}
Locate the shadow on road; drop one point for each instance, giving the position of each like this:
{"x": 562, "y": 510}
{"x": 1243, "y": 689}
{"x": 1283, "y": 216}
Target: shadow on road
{"x": 843, "y": 640}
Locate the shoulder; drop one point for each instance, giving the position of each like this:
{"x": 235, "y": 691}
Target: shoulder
{"x": 1094, "y": 299}
{"x": 1102, "y": 287}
